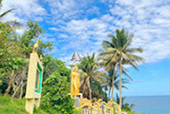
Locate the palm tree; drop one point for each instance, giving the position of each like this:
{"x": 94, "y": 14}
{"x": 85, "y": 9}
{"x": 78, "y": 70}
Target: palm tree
{"x": 116, "y": 82}
{"x": 108, "y": 63}
{"x": 118, "y": 50}
{"x": 89, "y": 73}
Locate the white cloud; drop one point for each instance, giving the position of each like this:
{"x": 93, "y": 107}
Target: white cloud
{"x": 63, "y": 36}
{"x": 107, "y": 18}
{"x": 107, "y": 1}
{"x": 20, "y": 31}
{"x": 147, "y": 20}
{"x": 53, "y": 29}
{"x": 67, "y": 59}
{"x": 64, "y": 8}
{"x": 161, "y": 21}
{"x": 93, "y": 10}
{"x": 70, "y": 9}
{"x": 85, "y": 35}
{"x": 24, "y": 9}
{"x": 46, "y": 39}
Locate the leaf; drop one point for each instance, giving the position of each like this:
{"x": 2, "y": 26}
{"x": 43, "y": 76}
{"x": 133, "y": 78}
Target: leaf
{"x": 4, "y": 13}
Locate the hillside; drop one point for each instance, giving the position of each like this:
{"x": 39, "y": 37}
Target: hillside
{"x": 16, "y": 107}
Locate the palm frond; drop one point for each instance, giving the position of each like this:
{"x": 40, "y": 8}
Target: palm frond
{"x": 6, "y": 12}
{"x": 133, "y": 50}
{"x": 126, "y": 74}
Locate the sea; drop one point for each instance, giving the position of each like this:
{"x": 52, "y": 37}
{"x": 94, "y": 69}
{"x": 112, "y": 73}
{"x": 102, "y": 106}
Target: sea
{"x": 150, "y": 104}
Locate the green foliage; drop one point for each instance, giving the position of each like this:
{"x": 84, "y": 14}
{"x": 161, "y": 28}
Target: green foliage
{"x": 116, "y": 80}
{"x": 53, "y": 64}
{"x": 27, "y": 40}
{"x": 15, "y": 63}
{"x": 10, "y": 52}
{"x": 7, "y": 44}
{"x": 97, "y": 91}
{"x": 87, "y": 64}
{"x": 55, "y": 95}
{"x": 91, "y": 76}
{"x": 15, "y": 51}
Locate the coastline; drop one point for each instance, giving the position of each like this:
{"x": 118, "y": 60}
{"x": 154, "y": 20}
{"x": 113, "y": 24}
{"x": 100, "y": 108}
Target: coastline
{"x": 150, "y": 104}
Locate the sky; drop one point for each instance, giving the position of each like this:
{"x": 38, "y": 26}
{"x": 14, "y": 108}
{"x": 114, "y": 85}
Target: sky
{"x": 82, "y": 25}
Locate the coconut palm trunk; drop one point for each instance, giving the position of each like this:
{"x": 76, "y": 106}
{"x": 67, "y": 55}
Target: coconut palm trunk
{"x": 113, "y": 80}
{"x": 88, "y": 84}
{"x": 109, "y": 93}
{"x": 120, "y": 68}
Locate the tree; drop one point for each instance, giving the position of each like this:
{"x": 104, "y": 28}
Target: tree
{"x": 10, "y": 53}
{"x": 89, "y": 68}
{"x": 108, "y": 62}
{"x": 13, "y": 48}
{"x": 116, "y": 82}
{"x": 55, "y": 95}
{"x": 97, "y": 91}
{"x": 119, "y": 50}
{"x": 52, "y": 64}
{"x": 16, "y": 79}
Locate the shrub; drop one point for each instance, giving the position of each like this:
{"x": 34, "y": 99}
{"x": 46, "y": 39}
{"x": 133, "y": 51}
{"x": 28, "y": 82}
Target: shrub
{"x": 55, "y": 95}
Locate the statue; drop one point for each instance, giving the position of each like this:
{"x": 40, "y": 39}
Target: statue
{"x": 75, "y": 82}
{"x": 35, "y": 46}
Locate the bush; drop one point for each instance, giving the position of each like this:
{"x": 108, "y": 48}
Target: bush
{"x": 55, "y": 95}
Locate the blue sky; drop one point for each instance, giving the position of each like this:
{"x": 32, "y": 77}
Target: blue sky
{"x": 81, "y": 25}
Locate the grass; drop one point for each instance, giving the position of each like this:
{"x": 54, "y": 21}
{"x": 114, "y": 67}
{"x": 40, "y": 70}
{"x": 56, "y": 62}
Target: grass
{"x": 16, "y": 107}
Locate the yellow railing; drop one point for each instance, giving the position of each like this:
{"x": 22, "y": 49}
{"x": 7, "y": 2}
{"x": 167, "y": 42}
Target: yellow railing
{"x": 86, "y": 107}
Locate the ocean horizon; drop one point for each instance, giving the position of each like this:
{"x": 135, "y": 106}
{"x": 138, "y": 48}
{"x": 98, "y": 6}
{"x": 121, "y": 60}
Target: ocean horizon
{"x": 150, "y": 104}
